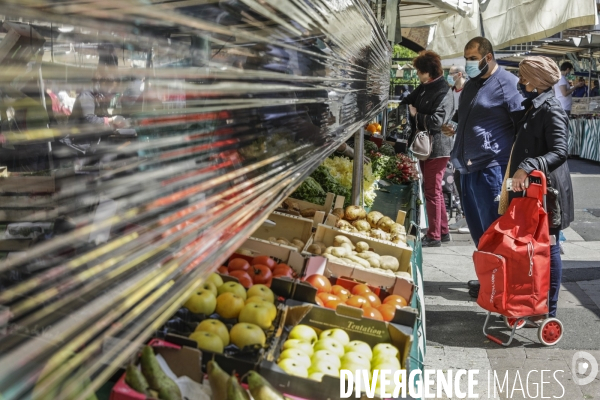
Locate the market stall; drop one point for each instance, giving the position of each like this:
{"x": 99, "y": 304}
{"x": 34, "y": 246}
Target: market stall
{"x": 149, "y": 237}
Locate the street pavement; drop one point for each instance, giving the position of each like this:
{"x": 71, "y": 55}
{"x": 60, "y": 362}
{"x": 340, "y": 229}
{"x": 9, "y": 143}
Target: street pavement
{"x": 454, "y": 321}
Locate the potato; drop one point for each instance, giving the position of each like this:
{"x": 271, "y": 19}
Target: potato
{"x": 374, "y": 262}
{"x": 397, "y": 239}
{"x": 367, "y": 254}
{"x": 282, "y": 239}
{"x": 347, "y": 246}
{"x": 285, "y": 242}
{"x": 362, "y": 246}
{"x": 397, "y": 228}
{"x": 332, "y": 257}
{"x": 308, "y": 212}
{"x": 359, "y": 260}
{"x": 352, "y": 213}
{"x": 339, "y": 239}
{"x": 340, "y": 251}
{"x": 361, "y": 225}
{"x": 298, "y": 243}
{"x": 244, "y": 252}
{"x": 321, "y": 245}
{"x": 272, "y": 239}
{"x": 389, "y": 263}
{"x": 291, "y": 205}
{"x": 338, "y": 212}
{"x": 403, "y": 275}
{"x": 379, "y": 234}
{"x": 328, "y": 250}
{"x": 313, "y": 248}
{"x": 385, "y": 224}
{"x": 342, "y": 224}
{"x": 373, "y": 217}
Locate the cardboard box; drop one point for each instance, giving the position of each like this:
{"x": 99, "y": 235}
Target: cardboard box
{"x": 373, "y": 276}
{"x": 370, "y": 331}
{"x": 286, "y": 226}
{"x": 322, "y": 210}
{"x": 181, "y": 360}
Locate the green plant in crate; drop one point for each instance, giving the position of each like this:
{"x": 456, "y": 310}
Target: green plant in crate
{"x": 310, "y": 191}
{"x": 397, "y": 169}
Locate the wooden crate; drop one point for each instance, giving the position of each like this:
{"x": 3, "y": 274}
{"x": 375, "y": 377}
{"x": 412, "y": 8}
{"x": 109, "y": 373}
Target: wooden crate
{"x": 18, "y": 182}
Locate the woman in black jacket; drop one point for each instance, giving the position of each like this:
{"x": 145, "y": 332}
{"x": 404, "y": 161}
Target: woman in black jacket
{"x": 542, "y": 138}
{"x": 432, "y": 105}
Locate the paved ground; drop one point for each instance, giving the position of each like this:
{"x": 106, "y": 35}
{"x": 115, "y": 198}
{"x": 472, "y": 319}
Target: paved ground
{"x": 454, "y": 321}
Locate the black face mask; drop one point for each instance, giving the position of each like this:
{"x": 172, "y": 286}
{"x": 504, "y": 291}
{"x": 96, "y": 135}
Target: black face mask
{"x": 528, "y": 95}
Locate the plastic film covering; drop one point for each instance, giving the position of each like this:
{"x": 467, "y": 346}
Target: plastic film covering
{"x": 141, "y": 143}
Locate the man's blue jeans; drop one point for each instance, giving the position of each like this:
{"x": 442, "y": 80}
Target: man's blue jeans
{"x": 481, "y": 195}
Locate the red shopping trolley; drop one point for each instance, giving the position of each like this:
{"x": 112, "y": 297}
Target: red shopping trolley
{"x": 512, "y": 263}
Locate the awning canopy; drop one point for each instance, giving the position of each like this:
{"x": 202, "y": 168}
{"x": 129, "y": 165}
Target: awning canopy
{"x": 415, "y": 13}
{"x": 508, "y": 22}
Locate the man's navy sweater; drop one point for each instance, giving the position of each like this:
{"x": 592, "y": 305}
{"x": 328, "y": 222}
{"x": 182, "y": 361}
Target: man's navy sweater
{"x": 487, "y": 114}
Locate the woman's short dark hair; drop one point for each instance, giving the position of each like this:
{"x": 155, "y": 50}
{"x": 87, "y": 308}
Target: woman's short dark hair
{"x": 430, "y": 62}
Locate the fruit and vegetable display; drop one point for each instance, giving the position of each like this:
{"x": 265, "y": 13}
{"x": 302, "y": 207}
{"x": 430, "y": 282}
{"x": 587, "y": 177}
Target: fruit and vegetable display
{"x": 307, "y": 354}
{"x": 260, "y": 270}
{"x": 374, "y": 224}
{"x": 151, "y": 380}
{"x": 361, "y": 296}
{"x": 227, "y": 387}
{"x": 335, "y": 176}
{"x": 374, "y": 128}
{"x": 310, "y": 191}
{"x": 393, "y": 168}
{"x": 236, "y": 315}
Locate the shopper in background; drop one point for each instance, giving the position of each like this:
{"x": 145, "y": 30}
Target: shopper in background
{"x": 563, "y": 90}
{"x": 582, "y": 89}
{"x": 595, "y": 92}
{"x": 543, "y": 133}
{"x": 489, "y": 108}
{"x": 457, "y": 77}
{"x": 431, "y": 105}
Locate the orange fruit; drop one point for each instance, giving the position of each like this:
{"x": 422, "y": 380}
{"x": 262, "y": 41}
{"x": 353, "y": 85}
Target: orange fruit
{"x": 360, "y": 290}
{"x": 387, "y": 311}
{"x": 358, "y": 301}
{"x": 333, "y": 304}
{"x": 340, "y": 292}
{"x": 372, "y": 298}
{"x": 396, "y": 300}
{"x": 372, "y": 313}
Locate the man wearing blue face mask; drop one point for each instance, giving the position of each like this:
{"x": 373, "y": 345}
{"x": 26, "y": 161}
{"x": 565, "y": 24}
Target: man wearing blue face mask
{"x": 489, "y": 108}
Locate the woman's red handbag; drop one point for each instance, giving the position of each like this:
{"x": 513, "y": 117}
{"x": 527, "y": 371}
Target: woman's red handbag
{"x": 512, "y": 261}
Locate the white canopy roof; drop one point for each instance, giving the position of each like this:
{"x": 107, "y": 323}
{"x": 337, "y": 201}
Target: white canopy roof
{"x": 505, "y": 22}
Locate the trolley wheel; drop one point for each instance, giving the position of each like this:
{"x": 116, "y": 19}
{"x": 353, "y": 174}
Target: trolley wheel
{"x": 550, "y": 332}
{"x": 510, "y": 322}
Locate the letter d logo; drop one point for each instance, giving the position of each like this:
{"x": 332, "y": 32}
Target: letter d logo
{"x": 582, "y": 361}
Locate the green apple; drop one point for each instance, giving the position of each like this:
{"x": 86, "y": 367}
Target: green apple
{"x": 293, "y": 367}
{"x": 331, "y": 345}
{"x": 215, "y": 279}
{"x": 303, "y": 332}
{"x": 384, "y": 359}
{"x": 355, "y": 358}
{"x": 392, "y": 364}
{"x": 215, "y": 326}
{"x": 337, "y": 334}
{"x": 210, "y": 287}
{"x": 316, "y": 376}
{"x": 262, "y": 291}
{"x": 232, "y": 287}
{"x": 297, "y": 355}
{"x": 260, "y": 300}
{"x": 359, "y": 347}
{"x": 301, "y": 345}
{"x": 325, "y": 367}
{"x": 201, "y": 302}
{"x": 245, "y": 334}
{"x": 208, "y": 341}
{"x": 325, "y": 355}
{"x": 355, "y": 367}
{"x": 385, "y": 348}
{"x": 256, "y": 313}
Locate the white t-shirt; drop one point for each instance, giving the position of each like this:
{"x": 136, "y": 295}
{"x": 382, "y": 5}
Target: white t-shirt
{"x": 565, "y": 101}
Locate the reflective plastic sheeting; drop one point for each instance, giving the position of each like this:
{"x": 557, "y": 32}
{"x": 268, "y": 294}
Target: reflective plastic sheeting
{"x": 141, "y": 143}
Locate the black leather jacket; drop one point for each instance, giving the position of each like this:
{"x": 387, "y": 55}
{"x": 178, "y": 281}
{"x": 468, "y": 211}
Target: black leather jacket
{"x": 435, "y": 106}
{"x": 544, "y": 131}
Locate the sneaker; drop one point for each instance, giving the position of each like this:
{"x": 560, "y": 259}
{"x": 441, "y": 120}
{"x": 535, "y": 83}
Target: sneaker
{"x": 446, "y": 238}
{"x": 426, "y": 241}
{"x": 464, "y": 229}
{"x": 562, "y": 249}
{"x": 460, "y": 222}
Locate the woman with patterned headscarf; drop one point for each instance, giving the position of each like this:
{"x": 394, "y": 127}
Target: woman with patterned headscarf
{"x": 541, "y": 144}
